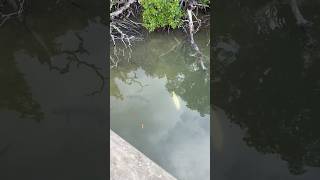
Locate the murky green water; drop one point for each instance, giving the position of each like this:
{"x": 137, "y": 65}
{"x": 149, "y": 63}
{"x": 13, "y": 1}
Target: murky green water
{"x": 160, "y": 104}
{"x": 49, "y": 127}
{"x": 266, "y": 91}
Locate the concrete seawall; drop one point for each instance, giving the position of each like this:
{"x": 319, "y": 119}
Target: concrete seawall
{"x": 128, "y": 163}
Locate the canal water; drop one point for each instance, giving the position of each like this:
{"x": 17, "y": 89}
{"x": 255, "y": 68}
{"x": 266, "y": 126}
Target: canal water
{"x": 266, "y": 91}
{"x": 160, "y": 103}
{"x": 53, "y": 114}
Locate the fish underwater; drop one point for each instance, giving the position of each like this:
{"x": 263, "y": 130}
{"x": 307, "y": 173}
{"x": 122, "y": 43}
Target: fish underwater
{"x": 176, "y": 100}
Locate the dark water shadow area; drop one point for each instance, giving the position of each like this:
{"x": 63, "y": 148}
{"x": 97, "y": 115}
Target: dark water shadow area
{"x": 53, "y": 109}
{"x": 266, "y": 91}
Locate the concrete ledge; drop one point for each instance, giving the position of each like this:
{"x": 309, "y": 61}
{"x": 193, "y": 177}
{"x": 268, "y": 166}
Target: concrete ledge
{"x": 127, "y": 163}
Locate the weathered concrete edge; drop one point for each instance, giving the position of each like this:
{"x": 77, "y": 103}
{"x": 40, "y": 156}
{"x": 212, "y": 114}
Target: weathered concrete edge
{"x": 128, "y": 163}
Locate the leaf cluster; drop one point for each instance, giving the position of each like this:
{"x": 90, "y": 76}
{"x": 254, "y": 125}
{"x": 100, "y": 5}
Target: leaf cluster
{"x": 161, "y": 13}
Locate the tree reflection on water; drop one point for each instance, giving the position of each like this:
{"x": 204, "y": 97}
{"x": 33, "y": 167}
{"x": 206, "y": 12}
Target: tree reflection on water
{"x": 270, "y": 86}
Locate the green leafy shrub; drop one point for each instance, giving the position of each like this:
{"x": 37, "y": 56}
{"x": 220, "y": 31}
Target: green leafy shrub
{"x": 161, "y": 13}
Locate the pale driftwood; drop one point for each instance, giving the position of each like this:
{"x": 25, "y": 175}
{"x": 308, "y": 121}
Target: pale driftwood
{"x": 193, "y": 43}
{"x": 122, "y": 9}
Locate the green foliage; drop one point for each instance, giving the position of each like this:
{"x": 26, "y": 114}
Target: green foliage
{"x": 161, "y": 13}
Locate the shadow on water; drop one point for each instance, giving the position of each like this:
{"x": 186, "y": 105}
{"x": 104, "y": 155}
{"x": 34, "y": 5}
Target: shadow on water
{"x": 52, "y": 95}
{"x": 160, "y": 103}
{"x": 267, "y": 82}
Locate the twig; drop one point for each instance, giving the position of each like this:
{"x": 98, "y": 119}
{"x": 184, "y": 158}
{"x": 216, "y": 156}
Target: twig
{"x": 19, "y": 11}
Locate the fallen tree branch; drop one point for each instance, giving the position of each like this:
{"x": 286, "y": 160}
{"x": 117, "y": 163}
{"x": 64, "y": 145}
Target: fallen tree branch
{"x": 301, "y": 21}
{"x": 123, "y": 30}
{"x": 5, "y": 17}
{"x": 172, "y": 48}
{"x": 121, "y": 9}
{"x": 194, "y": 45}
